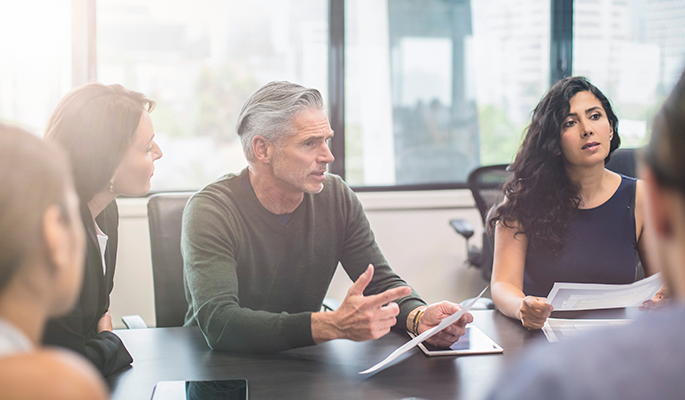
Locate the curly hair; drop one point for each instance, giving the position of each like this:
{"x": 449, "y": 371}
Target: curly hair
{"x": 539, "y": 195}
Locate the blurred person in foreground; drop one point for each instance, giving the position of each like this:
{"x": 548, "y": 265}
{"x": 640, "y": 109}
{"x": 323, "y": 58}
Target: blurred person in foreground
{"x": 645, "y": 359}
{"x": 108, "y": 136}
{"x": 260, "y": 248}
{"x": 41, "y": 267}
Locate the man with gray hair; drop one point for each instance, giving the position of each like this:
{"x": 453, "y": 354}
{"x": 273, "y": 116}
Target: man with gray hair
{"x": 260, "y": 247}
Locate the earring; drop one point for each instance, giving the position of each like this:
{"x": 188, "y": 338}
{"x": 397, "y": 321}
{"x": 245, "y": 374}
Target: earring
{"x": 111, "y": 186}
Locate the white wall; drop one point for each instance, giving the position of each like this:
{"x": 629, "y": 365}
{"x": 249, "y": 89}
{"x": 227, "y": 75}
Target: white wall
{"x": 411, "y": 228}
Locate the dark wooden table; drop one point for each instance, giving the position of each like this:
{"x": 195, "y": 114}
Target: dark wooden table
{"x": 327, "y": 371}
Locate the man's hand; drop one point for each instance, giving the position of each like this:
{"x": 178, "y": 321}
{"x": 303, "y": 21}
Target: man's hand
{"x": 359, "y": 317}
{"x": 105, "y": 323}
{"x": 534, "y": 312}
{"x": 659, "y": 302}
{"x": 433, "y": 314}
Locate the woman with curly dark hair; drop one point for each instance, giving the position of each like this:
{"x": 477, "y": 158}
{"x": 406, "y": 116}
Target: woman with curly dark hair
{"x": 565, "y": 217}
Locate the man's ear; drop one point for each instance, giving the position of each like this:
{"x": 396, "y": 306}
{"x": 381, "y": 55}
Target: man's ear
{"x": 262, "y": 149}
{"x": 660, "y": 205}
{"x": 56, "y": 236}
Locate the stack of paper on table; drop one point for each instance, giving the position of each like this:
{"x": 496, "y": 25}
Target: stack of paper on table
{"x": 556, "y": 329}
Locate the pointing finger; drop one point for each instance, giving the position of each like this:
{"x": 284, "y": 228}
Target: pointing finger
{"x": 389, "y": 295}
{"x": 362, "y": 282}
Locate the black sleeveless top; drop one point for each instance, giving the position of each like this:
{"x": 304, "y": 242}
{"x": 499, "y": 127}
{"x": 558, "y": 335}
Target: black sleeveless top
{"x": 600, "y": 247}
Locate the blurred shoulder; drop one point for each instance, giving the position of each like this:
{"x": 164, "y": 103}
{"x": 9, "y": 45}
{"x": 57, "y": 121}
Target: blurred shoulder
{"x": 50, "y": 374}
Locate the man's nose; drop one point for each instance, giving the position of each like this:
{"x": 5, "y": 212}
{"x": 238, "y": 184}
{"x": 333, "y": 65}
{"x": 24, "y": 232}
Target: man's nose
{"x": 326, "y": 155}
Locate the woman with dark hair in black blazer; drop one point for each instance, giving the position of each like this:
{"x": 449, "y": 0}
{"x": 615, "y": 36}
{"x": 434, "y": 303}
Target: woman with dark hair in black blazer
{"x": 107, "y": 133}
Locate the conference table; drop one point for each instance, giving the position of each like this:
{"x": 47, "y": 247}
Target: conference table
{"x": 326, "y": 371}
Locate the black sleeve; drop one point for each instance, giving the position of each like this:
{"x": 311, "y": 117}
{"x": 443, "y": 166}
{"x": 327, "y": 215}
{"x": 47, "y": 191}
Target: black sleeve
{"x": 105, "y": 350}
{"x": 78, "y": 329}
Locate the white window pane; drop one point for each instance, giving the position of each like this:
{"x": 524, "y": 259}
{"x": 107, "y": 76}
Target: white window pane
{"x": 634, "y": 51}
{"x": 200, "y": 62}
{"x": 435, "y": 88}
{"x": 35, "y": 60}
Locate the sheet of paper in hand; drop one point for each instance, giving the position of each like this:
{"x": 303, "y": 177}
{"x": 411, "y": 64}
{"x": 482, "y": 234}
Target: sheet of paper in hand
{"x": 593, "y": 296}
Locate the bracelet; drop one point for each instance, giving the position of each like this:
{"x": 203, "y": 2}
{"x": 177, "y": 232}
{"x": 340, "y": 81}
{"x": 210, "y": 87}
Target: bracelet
{"x": 415, "y": 325}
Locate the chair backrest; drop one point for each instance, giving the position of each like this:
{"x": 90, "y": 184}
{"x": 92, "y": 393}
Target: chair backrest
{"x": 486, "y": 185}
{"x": 164, "y": 216}
{"x": 624, "y": 161}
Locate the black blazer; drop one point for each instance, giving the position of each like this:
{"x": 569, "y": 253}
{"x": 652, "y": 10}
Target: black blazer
{"x": 78, "y": 329}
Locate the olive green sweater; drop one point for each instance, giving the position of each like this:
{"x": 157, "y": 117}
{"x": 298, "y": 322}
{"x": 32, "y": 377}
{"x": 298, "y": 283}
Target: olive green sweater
{"x": 252, "y": 283}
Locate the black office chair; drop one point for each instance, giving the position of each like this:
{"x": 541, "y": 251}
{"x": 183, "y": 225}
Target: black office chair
{"x": 164, "y": 217}
{"x": 624, "y": 161}
{"x": 486, "y": 185}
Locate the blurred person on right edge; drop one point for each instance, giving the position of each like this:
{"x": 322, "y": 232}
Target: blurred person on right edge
{"x": 41, "y": 268}
{"x": 646, "y": 359}
{"x": 565, "y": 217}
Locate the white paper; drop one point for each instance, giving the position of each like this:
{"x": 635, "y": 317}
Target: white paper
{"x": 592, "y": 296}
{"x": 425, "y": 335}
{"x": 556, "y": 329}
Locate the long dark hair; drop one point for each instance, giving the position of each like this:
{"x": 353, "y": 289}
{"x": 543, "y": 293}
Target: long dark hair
{"x": 96, "y": 125}
{"x": 539, "y": 195}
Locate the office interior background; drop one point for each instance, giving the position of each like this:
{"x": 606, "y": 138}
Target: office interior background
{"x": 419, "y": 93}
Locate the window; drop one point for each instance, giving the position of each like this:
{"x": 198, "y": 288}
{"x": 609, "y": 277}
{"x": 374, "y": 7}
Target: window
{"x": 200, "y": 62}
{"x": 35, "y": 61}
{"x": 436, "y": 88}
{"x": 430, "y": 90}
{"x": 634, "y": 52}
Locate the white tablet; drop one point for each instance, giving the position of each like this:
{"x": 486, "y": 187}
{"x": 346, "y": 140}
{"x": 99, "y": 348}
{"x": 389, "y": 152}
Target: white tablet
{"x": 473, "y": 342}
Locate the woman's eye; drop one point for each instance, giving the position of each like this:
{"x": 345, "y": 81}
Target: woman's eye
{"x": 569, "y": 123}
{"x": 595, "y": 116}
